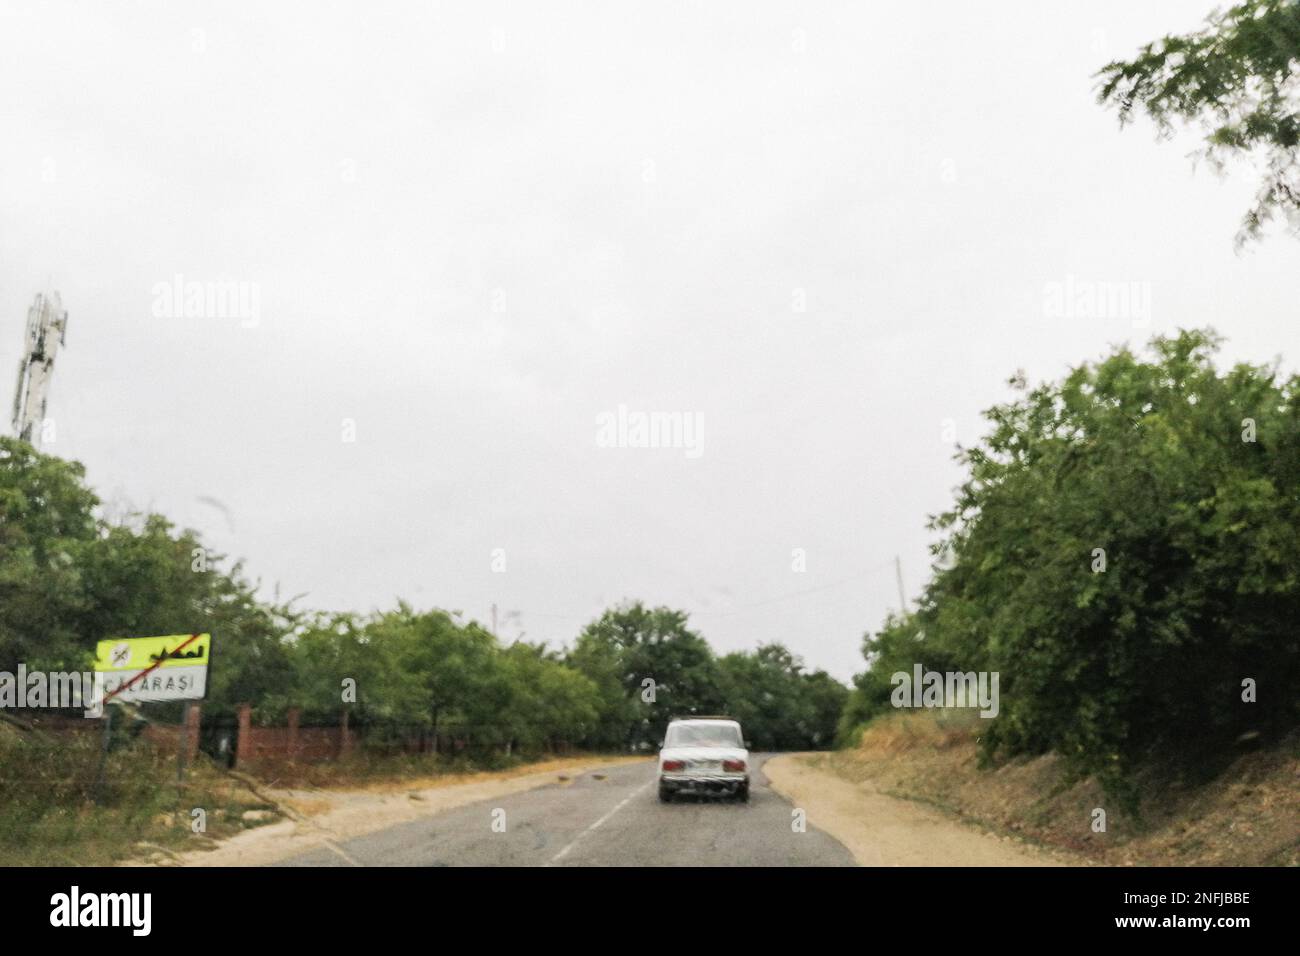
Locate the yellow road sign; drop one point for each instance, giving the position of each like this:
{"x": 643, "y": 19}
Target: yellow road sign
{"x": 140, "y": 669}
{"x": 140, "y": 653}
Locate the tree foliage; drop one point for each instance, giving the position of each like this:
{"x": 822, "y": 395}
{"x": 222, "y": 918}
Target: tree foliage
{"x": 1235, "y": 79}
{"x": 650, "y": 667}
{"x": 428, "y": 672}
{"x": 69, "y": 579}
{"x": 779, "y": 704}
{"x": 632, "y": 650}
{"x": 1188, "y": 480}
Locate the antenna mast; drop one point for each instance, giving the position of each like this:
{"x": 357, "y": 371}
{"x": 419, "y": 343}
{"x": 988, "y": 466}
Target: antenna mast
{"x": 47, "y": 324}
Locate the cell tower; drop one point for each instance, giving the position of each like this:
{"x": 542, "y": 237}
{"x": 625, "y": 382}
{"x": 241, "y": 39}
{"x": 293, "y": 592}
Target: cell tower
{"x": 47, "y": 324}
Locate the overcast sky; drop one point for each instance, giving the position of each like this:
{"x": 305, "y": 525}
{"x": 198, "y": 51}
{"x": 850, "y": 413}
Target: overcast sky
{"x": 826, "y": 234}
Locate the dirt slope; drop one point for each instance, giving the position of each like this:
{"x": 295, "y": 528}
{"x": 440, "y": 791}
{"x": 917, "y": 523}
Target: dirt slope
{"x": 1246, "y": 815}
{"x": 884, "y": 831}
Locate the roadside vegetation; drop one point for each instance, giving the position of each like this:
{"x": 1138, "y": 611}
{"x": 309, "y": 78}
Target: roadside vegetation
{"x": 428, "y": 681}
{"x": 1234, "y": 78}
{"x": 1125, "y": 553}
{"x": 1248, "y": 815}
{"x": 54, "y": 812}
{"x": 1125, "y": 549}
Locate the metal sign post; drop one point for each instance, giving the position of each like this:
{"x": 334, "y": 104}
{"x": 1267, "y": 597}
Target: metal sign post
{"x": 103, "y": 753}
{"x": 152, "y": 669}
{"x": 183, "y": 750}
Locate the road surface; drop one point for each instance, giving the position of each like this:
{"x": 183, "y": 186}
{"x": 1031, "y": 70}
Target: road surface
{"x": 608, "y": 817}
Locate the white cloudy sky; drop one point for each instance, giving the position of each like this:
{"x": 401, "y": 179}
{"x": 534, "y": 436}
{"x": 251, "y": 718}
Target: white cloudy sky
{"x": 643, "y": 189}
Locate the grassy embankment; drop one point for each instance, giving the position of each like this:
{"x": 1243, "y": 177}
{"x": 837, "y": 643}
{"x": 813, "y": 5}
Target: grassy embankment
{"x": 52, "y": 813}
{"x": 1245, "y": 815}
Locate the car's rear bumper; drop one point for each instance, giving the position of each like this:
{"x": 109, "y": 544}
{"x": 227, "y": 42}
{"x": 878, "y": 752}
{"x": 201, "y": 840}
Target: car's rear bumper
{"x": 703, "y": 783}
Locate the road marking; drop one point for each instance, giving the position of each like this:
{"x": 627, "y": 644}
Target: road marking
{"x": 341, "y": 852}
{"x": 578, "y": 839}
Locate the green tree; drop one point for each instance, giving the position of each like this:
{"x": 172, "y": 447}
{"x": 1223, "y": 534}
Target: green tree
{"x": 547, "y": 702}
{"x": 826, "y": 699}
{"x": 631, "y": 653}
{"x": 47, "y": 525}
{"x": 1125, "y": 552}
{"x": 617, "y": 710}
{"x": 454, "y": 666}
{"x": 779, "y": 704}
{"x": 69, "y": 580}
{"x": 1235, "y": 79}
{"x": 143, "y": 577}
{"x": 331, "y": 649}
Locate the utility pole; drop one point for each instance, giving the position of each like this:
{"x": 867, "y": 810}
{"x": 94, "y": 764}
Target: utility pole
{"x": 902, "y": 595}
{"x": 47, "y": 324}
{"x": 504, "y": 621}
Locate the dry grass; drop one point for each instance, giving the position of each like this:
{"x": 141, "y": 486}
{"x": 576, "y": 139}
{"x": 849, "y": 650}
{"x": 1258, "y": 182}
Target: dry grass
{"x": 1248, "y": 815}
{"x": 52, "y": 813}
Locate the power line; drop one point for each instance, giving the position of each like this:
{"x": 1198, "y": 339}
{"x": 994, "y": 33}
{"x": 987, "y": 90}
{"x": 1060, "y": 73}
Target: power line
{"x": 739, "y": 608}
{"x": 796, "y": 594}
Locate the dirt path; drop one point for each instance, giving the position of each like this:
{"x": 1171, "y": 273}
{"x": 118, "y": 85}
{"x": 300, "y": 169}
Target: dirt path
{"x": 885, "y": 831}
{"x": 327, "y": 817}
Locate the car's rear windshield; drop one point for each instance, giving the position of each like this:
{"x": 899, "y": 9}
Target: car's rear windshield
{"x": 703, "y": 735}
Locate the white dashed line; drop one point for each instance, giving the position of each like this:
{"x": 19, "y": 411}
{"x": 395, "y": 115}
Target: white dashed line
{"x": 565, "y": 852}
{"x": 330, "y": 844}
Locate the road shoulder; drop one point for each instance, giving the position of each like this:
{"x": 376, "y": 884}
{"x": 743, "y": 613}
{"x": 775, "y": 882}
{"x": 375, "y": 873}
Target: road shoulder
{"x": 884, "y": 831}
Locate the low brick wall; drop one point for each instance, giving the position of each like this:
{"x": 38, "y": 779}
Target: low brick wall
{"x": 268, "y": 746}
{"x": 306, "y": 744}
{"x": 166, "y": 737}
{"x": 291, "y": 743}
{"x": 170, "y": 737}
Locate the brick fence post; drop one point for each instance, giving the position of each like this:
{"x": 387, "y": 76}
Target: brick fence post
{"x": 192, "y": 733}
{"x": 294, "y": 714}
{"x": 244, "y": 743}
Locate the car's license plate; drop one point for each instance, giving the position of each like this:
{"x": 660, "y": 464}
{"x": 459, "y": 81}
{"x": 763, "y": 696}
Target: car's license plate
{"x": 705, "y": 765}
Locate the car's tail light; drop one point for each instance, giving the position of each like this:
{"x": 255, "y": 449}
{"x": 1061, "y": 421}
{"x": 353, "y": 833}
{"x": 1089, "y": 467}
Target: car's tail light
{"x": 674, "y": 765}
{"x": 735, "y": 766}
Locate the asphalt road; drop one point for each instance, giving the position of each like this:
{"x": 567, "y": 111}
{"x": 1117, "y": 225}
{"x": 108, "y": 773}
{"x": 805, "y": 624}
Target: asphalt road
{"x": 615, "y": 821}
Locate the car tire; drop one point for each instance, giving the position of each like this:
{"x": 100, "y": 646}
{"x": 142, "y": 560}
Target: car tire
{"x": 665, "y": 795}
{"x": 742, "y": 793}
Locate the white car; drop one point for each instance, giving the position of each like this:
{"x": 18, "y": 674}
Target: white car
{"x": 704, "y": 755}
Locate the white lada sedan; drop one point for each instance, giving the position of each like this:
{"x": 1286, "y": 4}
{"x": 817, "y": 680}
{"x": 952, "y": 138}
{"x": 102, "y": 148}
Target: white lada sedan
{"x": 704, "y": 755}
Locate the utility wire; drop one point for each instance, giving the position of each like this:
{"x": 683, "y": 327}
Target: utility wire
{"x": 739, "y": 608}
